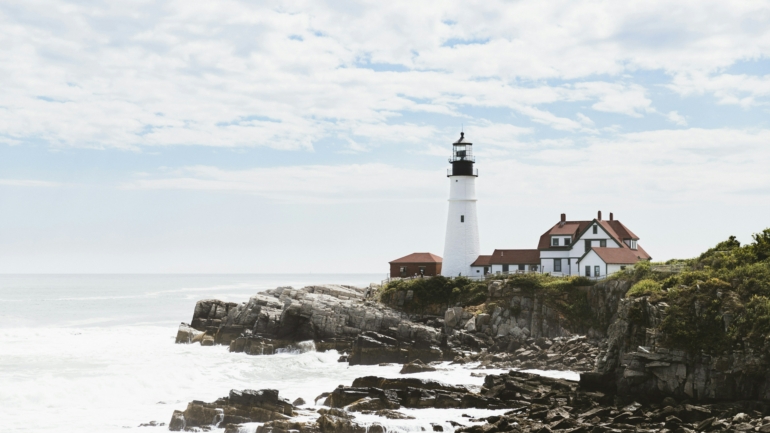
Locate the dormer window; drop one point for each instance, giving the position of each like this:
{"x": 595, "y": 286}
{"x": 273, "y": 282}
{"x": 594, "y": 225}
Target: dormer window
{"x": 566, "y": 241}
{"x": 555, "y": 242}
{"x": 633, "y": 244}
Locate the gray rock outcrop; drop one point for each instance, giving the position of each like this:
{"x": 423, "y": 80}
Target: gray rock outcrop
{"x": 330, "y": 316}
{"x": 238, "y": 407}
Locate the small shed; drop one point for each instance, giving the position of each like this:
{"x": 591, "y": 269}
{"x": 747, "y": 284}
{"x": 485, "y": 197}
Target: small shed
{"x": 416, "y": 264}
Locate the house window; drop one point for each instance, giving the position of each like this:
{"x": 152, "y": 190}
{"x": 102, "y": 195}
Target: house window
{"x": 557, "y": 265}
{"x": 597, "y": 269}
{"x": 422, "y": 270}
{"x": 633, "y": 245}
{"x": 588, "y": 271}
{"x": 402, "y": 271}
{"x": 462, "y": 218}
{"x": 555, "y": 242}
{"x": 566, "y": 241}
{"x": 603, "y": 243}
{"x": 505, "y": 268}
{"x": 622, "y": 268}
{"x": 596, "y": 229}
{"x": 588, "y": 245}
{"x": 521, "y": 267}
{"x": 533, "y": 268}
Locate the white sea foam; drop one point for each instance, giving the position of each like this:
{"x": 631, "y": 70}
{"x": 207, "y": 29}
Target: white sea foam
{"x": 111, "y": 379}
{"x": 86, "y": 365}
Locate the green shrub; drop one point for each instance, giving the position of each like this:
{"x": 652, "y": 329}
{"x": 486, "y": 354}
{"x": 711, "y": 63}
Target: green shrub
{"x": 437, "y": 290}
{"x": 644, "y": 288}
{"x": 694, "y": 321}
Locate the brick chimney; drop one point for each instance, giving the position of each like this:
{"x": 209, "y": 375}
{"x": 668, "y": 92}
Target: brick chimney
{"x": 563, "y": 217}
{"x": 599, "y": 217}
{"x": 611, "y": 217}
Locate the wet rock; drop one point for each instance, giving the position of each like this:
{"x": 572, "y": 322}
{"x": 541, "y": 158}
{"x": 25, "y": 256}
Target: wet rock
{"x": 187, "y": 334}
{"x": 392, "y": 414}
{"x": 336, "y": 424}
{"x": 238, "y": 407}
{"x": 299, "y": 402}
{"x": 177, "y": 422}
{"x": 416, "y": 366}
{"x": 371, "y": 348}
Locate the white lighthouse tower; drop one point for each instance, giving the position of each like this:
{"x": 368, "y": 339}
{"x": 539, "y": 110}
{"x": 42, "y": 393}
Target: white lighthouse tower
{"x": 461, "y": 246}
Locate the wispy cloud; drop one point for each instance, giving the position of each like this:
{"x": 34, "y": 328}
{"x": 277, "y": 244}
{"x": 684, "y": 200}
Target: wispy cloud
{"x": 28, "y": 183}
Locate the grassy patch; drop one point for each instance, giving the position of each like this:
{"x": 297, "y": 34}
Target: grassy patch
{"x": 644, "y": 288}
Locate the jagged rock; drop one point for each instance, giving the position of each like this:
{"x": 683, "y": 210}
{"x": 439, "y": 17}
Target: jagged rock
{"x": 330, "y": 316}
{"x": 238, "y": 407}
{"x": 177, "y": 422}
{"x": 336, "y": 424}
{"x": 416, "y": 366}
{"x": 371, "y": 348}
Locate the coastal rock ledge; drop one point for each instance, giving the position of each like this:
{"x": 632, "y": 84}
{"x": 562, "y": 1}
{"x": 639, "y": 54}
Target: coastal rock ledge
{"x": 332, "y": 317}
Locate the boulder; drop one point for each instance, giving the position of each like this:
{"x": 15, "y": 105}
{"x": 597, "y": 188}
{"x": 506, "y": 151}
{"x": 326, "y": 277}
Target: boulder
{"x": 177, "y": 422}
{"x": 187, "y": 334}
{"x": 238, "y": 407}
{"x": 416, "y": 366}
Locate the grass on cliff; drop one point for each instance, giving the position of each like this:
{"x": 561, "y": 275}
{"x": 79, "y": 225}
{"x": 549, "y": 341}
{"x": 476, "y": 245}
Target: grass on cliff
{"x": 721, "y": 301}
{"x": 559, "y": 292}
{"x": 438, "y": 290}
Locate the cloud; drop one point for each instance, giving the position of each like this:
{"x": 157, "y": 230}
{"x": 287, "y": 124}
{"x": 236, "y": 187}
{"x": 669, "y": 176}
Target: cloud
{"x": 28, "y": 183}
{"x": 288, "y": 75}
{"x": 659, "y": 167}
{"x": 306, "y": 184}
{"x": 734, "y": 89}
{"x": 677, "y": 118}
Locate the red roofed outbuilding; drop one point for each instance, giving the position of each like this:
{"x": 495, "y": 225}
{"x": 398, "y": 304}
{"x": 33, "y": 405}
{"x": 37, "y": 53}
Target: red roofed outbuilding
{"x": 425, "y": 264}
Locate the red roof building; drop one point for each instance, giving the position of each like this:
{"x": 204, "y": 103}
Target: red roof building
{"x": 416, "y": 264}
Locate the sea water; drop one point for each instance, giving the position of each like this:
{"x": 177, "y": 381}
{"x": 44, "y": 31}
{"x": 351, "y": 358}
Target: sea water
{"x": 96, "y": 353}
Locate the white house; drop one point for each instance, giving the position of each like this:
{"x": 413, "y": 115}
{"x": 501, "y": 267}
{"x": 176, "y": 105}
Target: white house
{"x": 594, "y": 248}
{"x": 507, "y": 261}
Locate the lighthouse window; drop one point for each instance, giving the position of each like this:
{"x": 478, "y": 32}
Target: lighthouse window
{"x": 462, "y": 218}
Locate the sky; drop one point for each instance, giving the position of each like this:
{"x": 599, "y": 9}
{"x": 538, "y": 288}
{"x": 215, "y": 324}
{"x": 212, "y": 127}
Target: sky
{"x": 313, "y": 136}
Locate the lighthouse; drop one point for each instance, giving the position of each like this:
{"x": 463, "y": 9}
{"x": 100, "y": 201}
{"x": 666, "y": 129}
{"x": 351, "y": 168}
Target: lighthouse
{"x": 461, "y": 245}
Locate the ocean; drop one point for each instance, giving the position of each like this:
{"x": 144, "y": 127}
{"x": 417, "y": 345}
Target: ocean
{"x": 96, "y": 353}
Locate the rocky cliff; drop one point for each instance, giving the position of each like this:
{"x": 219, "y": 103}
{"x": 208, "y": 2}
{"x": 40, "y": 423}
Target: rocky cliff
{"x": 514, "y": 314}
{"x": 637, "y": 364}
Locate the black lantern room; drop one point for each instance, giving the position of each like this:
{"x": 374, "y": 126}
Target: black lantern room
{"x": 462, "y": 158}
